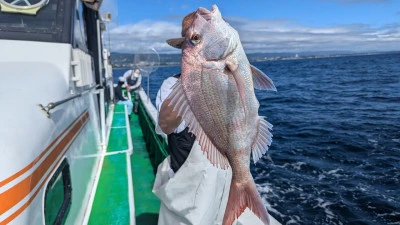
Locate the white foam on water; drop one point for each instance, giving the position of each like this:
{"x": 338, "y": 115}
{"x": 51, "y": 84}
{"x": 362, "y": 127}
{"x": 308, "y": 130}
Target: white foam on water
{"x": 334, "y": 171}
{"x": 325, "y": 206}
{"x": 266, "y": 191}
{"x": 321, "y": 176}
{"x": 394, "y": 223}
{"x": 294, "y": 220}
{"x": 396, "y": 140}
{"x": 298, "y": 165}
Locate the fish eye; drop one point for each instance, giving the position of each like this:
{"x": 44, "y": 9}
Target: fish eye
{"x": 195, "y": 39}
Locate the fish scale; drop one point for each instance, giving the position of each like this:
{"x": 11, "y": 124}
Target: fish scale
{"x": 210, "y": 121}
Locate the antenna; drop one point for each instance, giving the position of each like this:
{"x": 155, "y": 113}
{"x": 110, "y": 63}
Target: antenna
{"x": 108, "y": 20}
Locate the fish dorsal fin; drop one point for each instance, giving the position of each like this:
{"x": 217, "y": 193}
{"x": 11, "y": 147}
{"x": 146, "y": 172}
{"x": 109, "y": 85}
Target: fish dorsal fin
{"x": 181, "y": 105}
{"x": 263, "y": 140}
{"x": 260, "y": 80}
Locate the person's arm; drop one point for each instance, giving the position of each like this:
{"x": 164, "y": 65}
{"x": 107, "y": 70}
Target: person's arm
{"x": 139, "y": 81}
{"x": 126, "y": 75}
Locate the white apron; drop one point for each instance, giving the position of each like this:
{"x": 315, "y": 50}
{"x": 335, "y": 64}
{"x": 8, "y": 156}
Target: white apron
{"x": 195, "y": 195}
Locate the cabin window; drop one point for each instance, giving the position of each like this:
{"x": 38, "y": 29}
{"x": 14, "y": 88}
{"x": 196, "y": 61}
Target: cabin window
{"x": 80, "y": 28}
{"x": 44, "y": 21}
{"x": 58, "y": 195}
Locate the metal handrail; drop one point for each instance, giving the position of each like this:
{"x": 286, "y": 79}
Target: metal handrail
{"x": 157, "y": 145}
{"x": 52, "y": 105}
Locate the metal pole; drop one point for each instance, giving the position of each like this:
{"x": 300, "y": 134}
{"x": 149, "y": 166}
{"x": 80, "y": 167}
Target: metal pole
{"x": 148, "y": 87}
{"x": 102, "y": 117}
{"x": 99, "y": 52}
{"x": 109, "y": 45}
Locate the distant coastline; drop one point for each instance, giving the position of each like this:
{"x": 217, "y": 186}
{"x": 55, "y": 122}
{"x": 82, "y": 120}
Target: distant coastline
{"x": 125, "y": 60}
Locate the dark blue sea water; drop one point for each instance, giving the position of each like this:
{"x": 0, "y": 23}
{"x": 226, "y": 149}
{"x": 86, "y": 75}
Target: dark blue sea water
{"x": 335, "y": 156}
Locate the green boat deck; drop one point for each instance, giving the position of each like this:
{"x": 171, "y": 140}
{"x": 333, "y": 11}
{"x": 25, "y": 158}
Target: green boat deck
{"x": 124, "y": 191}
{"x": 112, "y": 199}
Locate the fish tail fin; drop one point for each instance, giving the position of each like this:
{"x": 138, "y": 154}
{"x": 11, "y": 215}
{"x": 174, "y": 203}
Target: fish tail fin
{"x": 242, "y": 196}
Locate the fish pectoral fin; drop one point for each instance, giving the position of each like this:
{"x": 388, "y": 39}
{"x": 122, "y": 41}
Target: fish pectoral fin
{"x": 260, "y": 80}
{"x": 239, "y": 82}
{"x": 263, "y": 140}
{"x": 173, "y": 109}
{"x": 231, "y": 66}
{"x": 168, "y": 119}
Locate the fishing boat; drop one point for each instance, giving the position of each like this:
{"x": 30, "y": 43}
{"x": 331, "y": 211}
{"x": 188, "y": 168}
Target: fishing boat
{"x": 69, "y": 154}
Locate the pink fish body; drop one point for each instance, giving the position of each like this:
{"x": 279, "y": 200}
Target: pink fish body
{"x": 215, "y": 97}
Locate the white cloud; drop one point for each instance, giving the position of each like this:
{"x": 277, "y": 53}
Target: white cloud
{"x": 278, "y": 36}
{"x": 129, "y": 38}
{"x": 267, "y": 36}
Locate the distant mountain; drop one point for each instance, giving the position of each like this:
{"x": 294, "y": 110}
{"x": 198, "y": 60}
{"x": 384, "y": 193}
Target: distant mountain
{"x": 125, "y": 60}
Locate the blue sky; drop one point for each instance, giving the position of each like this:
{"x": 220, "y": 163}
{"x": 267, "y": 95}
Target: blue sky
{"x": 264, "y": 25}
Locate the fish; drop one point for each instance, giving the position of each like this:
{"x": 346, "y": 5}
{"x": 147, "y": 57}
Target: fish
{"x": 215, "y": 97}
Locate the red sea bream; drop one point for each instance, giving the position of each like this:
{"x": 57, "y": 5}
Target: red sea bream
{"x": 215, "y": 96}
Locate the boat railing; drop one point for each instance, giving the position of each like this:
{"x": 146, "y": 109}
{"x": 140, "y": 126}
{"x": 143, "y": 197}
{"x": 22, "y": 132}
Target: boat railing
{"x": 156, "y": 144}
{"x": 46, "y": 109}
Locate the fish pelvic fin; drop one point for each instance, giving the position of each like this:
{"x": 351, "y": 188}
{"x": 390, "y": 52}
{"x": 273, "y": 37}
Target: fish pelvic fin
{"x": 260, "y": 80}
{"x": 242, "y": 196}
{"x": 263, "y": 140}
{"x": 178, "y": 100}
{"x": 216, "y": 158}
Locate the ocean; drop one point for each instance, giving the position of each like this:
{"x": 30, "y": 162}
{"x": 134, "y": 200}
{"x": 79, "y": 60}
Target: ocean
{"x": 335, "y": 156}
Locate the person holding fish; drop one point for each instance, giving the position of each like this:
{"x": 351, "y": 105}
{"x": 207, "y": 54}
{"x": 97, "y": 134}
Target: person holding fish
{"x": 213, "y": 99}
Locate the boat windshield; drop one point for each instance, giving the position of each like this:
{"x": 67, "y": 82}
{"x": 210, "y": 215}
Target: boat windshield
{"x": 28, "y": 16}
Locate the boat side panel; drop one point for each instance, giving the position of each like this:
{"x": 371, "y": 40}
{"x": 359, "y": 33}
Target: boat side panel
{"x": 27, "y": 79}
{"x": 84, "y": 160}
{"x": 29, "y": 140}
